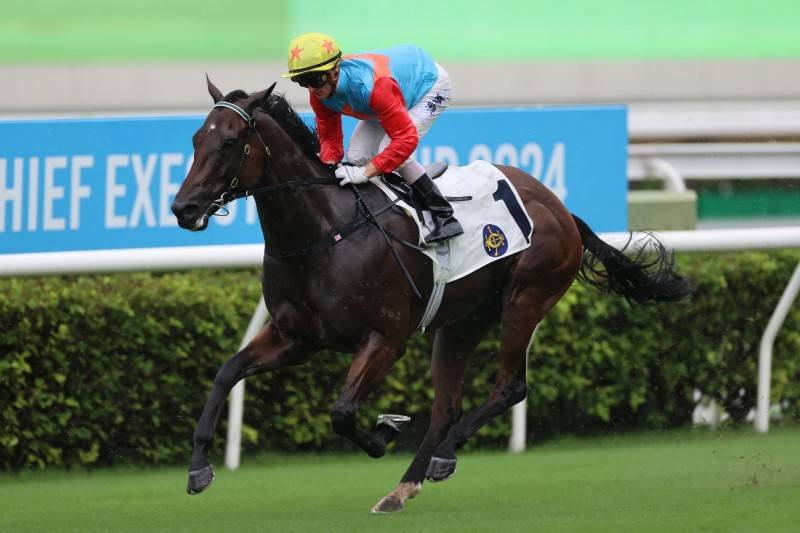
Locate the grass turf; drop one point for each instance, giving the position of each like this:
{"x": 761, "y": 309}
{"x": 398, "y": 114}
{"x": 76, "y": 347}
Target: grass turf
{"x": 677, "y": 481}
{"x": 509, "y": 30}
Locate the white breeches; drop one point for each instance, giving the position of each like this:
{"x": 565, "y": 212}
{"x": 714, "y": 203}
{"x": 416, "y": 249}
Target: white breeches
{"x": 369, "y": 138}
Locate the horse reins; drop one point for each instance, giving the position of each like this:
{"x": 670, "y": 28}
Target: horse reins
{"x": 229, "y": 195}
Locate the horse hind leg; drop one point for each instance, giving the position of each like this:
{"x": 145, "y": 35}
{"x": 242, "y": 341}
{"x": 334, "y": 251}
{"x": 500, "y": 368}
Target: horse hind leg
{"x": 505, "y": 393}
{"x": 268, "y": 350}
{"x": 520, "y": 318}
{"x": 452, "y": 350}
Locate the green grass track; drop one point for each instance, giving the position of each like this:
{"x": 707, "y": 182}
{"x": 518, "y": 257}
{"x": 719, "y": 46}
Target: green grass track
{"x": 452, "y": 30}
{"x": 680, "y": 481}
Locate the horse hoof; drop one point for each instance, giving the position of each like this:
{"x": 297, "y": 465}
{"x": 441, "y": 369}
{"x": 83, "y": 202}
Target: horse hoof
{"x": 199, "y": 480}
{"x": 377, "y": 453}
{"x": 440, "y": 469}
{"x": 388, "y": 504}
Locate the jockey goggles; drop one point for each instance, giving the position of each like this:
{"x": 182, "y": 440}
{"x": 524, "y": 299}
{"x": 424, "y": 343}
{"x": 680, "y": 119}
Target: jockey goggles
{"x": 313, "y": 80}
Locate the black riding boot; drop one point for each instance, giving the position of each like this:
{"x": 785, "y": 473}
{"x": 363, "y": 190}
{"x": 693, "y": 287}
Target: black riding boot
{"x": 446, "y": 226}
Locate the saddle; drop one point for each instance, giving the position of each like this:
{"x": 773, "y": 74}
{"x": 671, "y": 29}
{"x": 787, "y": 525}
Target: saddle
{"x": 495, "y": 222}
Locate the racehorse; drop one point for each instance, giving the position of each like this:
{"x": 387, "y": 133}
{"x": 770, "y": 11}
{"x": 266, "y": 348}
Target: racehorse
{"x": 348, "y": 293}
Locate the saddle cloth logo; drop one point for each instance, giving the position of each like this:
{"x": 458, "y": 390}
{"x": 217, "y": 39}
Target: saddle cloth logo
{"x": 494, "y": 204}
{"x": 494, "y": 240}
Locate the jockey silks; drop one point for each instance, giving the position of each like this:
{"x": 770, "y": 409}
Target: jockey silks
{"x": 379, "y": 85}
{"x": 410, "y": 66}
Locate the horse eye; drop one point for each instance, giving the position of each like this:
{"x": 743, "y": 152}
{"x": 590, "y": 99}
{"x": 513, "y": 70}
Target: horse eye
{"x": 229, "y": 143}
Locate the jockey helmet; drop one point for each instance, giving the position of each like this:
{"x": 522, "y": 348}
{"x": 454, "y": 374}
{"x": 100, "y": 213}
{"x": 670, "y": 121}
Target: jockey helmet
{"x": 311, "y": 53}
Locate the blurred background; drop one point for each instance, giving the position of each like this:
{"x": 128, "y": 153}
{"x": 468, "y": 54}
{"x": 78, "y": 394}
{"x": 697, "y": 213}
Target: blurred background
{"x": 109, "y": 370}
{"x": 722, "y": 73}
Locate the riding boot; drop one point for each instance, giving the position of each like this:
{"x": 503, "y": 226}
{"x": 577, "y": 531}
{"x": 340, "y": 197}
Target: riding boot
{"x": 446, "y": 226}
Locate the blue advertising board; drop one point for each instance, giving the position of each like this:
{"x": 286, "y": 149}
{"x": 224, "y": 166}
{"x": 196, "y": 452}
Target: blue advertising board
{"x": 95, "y": 184}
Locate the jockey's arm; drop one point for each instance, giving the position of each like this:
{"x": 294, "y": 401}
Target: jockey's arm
{"x": 388, "y": 104}
{"x": 329, "y": 129}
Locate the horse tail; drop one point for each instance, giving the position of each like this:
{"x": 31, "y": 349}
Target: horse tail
{"x": 647, "y": 276}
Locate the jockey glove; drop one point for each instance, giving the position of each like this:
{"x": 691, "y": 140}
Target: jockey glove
{"x": 354, "y": 175}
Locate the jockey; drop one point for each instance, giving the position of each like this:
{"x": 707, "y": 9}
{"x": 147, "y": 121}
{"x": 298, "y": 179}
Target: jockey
{"x": 397, "y": 93}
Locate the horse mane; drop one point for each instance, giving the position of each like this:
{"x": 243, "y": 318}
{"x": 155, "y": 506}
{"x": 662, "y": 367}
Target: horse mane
{"x": 282, "y": 112}
{"x": 235, "y": 95}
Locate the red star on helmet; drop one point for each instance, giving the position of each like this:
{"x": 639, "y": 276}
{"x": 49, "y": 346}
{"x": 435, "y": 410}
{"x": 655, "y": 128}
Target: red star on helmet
{"x": 328, "y": 45}
{"x": 296, "y": 53}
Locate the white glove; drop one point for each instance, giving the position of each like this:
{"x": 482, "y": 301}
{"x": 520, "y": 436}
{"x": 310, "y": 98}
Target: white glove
{"x": 348, "y": 174}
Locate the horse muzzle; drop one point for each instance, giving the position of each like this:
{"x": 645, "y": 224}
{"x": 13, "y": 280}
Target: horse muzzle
{"x": 190, "y": 216}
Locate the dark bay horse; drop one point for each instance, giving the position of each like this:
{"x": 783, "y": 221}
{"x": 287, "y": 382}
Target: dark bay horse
{"x": 349, "y": 295}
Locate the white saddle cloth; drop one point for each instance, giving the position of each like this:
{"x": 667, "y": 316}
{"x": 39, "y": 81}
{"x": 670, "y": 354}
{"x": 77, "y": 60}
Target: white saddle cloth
{"x": 495, "y": 222}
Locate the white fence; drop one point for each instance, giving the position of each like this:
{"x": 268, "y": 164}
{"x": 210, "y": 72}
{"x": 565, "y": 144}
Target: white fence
{"x": 765, "y": 160}
{"x": 251, "y": 255}
{"x": 728, "y": 121}
{"x": 132, "y": 260}
{"x": 709, "y": 240}
{"x": 237, "y": 256}
{"x": 701, "y": 141}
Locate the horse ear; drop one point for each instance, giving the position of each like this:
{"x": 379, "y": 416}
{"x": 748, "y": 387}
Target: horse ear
{"x": 259, "y": 99}
{"x": 215, "y": 93}
{"x": 262, "y": 101}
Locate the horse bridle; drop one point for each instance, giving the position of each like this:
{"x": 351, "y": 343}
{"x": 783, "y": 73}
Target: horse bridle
{"x": 229, "y": 195}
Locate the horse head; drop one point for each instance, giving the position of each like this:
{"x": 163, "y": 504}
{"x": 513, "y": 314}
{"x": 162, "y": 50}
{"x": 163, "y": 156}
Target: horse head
{"x": 229, "y": 156}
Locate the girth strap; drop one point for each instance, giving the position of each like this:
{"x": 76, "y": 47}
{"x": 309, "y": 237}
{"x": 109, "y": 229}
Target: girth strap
{"x": 439, "y": 285}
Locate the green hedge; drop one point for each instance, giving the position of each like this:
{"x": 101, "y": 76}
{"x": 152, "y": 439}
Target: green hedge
{"x": 109, "y": 369}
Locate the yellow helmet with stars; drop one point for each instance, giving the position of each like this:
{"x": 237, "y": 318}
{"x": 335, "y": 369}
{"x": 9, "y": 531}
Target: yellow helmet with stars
{"x": 312, "y": 52}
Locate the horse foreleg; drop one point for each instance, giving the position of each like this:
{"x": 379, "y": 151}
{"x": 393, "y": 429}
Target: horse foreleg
{"x": 370, "y": 365}
{"x": 268, "y": 350}
{"x": 452, "y": 350}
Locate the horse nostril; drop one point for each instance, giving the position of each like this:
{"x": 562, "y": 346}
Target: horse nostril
{"x": 185, "y": 212}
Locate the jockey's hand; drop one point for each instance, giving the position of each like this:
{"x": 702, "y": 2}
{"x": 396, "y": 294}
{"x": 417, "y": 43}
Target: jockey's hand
{"x": 348, "y": 174}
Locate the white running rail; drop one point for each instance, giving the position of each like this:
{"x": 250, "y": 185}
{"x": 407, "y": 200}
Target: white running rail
{"x": 239, "y": 256}
{"x": 710, "y": 240}
{"x": 677, "y": 162}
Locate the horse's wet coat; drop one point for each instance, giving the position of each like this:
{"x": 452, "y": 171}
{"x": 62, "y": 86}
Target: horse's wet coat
{"x": 352, "y": 296}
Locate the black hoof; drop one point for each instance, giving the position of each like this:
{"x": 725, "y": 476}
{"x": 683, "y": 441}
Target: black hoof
{"x": 389, "y": 426}
{"x": 199, "y": 480}
{"x": 440, "y": 469}
{"x": 377, "y": 453}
